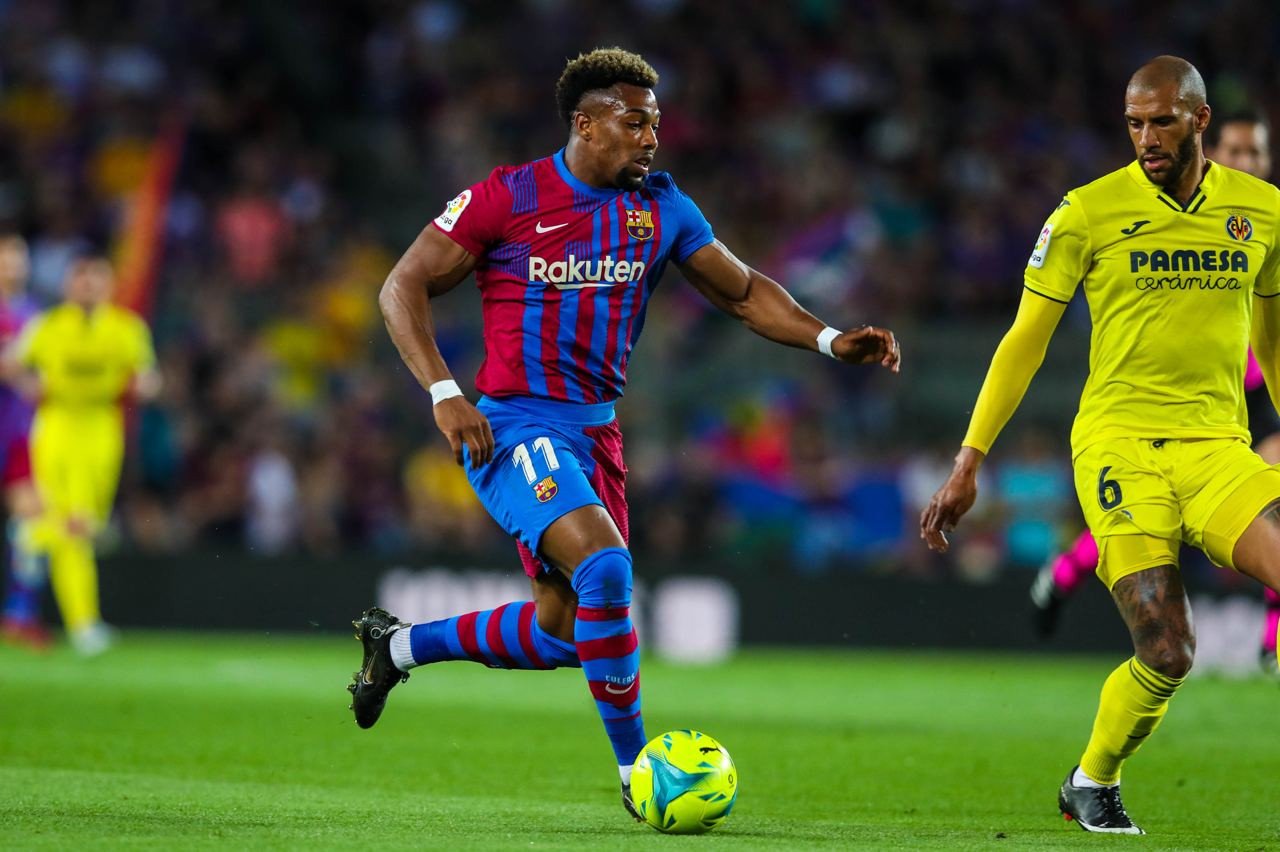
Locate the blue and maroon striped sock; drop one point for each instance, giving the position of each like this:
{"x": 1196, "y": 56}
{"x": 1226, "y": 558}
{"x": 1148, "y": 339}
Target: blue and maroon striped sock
{"x": 504, "y": 638}
{"x": 606, "y": 642}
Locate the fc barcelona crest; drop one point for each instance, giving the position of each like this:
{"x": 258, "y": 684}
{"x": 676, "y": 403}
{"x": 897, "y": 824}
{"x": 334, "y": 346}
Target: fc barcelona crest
{"x": 640, "y": 224}
{"x": 1239, "y": 227}
{"x": 545, "y": 490}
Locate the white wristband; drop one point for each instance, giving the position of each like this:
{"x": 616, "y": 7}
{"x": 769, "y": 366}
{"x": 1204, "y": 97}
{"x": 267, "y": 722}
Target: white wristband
{"x": 825, "y": 337}
{"x": 442, "y": 390}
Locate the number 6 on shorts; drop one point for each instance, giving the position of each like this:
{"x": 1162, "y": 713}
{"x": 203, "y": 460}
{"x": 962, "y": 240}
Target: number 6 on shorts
{"x": 1109, "y": 495}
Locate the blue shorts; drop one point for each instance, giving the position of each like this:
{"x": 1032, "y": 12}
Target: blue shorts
{"x": 549, "y": 458}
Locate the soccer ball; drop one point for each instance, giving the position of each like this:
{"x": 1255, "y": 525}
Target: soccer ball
{"x": 684, "y": 782}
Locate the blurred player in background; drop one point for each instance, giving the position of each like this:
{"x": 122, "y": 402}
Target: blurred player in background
{"x": 26, "y": 573}
{"x": 1241, "y": 140}
{"x": 1181, "y": 268}
{"x": 80, "y": 360}
{"x": 566, "y": 250}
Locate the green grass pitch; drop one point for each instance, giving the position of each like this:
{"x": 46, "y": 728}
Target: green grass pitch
{"x": 190, "y": 741}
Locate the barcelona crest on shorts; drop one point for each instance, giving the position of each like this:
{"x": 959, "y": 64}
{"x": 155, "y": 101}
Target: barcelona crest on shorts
{"x": 640, "y": 224}
{"x": 1239, "y": 227}
{"x": 545, "y": 490}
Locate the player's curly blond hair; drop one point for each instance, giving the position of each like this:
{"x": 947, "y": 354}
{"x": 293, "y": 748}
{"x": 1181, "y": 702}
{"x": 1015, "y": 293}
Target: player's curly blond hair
{"x": 600, "y": 69}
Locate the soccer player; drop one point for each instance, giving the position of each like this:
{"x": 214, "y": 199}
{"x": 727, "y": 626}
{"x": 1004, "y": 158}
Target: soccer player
{"x": 81, "y": 359}
{"x": 26, "y": 570}
{"x": 567, "y": 250}
{"x": 1240, "y": 141}
{"x": 1180, "y": 267}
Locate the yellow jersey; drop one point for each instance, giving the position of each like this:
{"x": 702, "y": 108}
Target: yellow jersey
{"x": 1170, "y": 289}
{"x": 85, "y": 359}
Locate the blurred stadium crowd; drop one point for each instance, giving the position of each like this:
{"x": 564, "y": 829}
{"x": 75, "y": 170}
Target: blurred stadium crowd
{"x": 889, "y": 162}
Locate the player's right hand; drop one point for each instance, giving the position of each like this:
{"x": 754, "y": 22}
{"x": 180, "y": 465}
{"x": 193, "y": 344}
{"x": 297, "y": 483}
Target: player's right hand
{"x": 948, "y": 505}
{"x": 464, "y": 426}
{"x": 868, "y": 345}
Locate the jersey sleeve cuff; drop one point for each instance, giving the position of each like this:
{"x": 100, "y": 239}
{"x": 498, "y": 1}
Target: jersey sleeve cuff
{"x": 472, "y": 249}
{"x": 1044, "y": 292}
{"x": 698, "y": 244}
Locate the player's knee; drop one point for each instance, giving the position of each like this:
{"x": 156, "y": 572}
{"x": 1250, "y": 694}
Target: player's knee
{"x": 1170, "y": 653}
{"x": 603, "y": 579}
{"x": 555, "y": 605}
{"x": 556, "y": 618}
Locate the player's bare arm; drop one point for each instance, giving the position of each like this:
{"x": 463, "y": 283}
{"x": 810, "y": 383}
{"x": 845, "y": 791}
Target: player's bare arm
{"x": 146, "y": 384}
{"x": 431, "y": 267}
{"x": 17, "y": 375}
{"x": 1015, "y": 362}
{"x": 762, "y": 305}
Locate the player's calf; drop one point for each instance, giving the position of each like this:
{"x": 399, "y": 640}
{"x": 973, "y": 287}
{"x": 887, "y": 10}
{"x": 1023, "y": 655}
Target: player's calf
{"x": 606, "y": 641}
{"x": 508, "y": 637}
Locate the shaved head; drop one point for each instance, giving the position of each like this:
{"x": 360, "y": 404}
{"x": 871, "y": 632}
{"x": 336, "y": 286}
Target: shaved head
{"x": 1172, "y": 72}
{"x": 1165, "y": 109}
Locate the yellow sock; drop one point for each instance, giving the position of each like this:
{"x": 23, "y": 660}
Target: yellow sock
{"x": 73, "y": 573}
{"x": 1134, "y": 700}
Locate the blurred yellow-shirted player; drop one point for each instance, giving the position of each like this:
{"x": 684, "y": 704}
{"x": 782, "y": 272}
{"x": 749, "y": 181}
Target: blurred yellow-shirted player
{"x": 81, "y": 359}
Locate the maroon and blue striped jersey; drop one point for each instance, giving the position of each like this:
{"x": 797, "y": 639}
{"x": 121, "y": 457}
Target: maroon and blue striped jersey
{"x": 565, "y": 271}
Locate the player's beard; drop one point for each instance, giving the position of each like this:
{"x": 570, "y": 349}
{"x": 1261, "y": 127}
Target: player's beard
{"x": 1177, "y": 163}
{"x": 628, "y": 182}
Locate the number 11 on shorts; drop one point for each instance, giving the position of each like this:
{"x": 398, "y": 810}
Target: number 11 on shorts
{"x": 523, "y": 459}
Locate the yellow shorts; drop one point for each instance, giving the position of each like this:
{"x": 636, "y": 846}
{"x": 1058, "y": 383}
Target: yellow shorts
{"x": 75, "y": 461}
{"x": 1142, "y": 497}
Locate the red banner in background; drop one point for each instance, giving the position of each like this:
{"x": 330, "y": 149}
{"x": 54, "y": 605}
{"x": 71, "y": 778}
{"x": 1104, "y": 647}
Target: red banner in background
{"x": 140, "y": 241}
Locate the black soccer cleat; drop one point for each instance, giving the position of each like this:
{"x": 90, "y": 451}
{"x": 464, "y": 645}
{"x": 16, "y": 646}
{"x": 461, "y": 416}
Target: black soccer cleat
{"x": 1095, "y": 808}
{"x": 1046, "y": 603}
{"x": 629, "y": 804}
{"x": 377, "y": 675}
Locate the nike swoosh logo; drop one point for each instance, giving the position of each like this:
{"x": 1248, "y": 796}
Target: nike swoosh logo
{"x": 542, "y": 230}
{"x": 608, "y": 687}
{"x": 582, "y": 286}
{"x": 1130, "y": 231}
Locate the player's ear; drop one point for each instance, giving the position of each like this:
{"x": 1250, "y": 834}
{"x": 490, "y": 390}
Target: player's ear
{"x": 582, "y": 125}
{"x": 1201, "y": 118}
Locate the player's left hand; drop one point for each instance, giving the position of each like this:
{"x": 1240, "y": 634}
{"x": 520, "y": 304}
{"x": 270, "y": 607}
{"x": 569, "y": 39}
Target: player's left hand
{"x": 868, "y": 345}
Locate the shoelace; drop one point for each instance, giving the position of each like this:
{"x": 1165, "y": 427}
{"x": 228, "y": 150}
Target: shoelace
{"x": 1112, "y": 807}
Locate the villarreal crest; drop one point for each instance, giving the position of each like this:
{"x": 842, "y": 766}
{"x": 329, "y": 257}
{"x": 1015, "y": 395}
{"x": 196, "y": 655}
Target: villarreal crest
{"x": 545, "y": 490}
{"x": 1239, "y": 227}
{"x": 640, "y": 224}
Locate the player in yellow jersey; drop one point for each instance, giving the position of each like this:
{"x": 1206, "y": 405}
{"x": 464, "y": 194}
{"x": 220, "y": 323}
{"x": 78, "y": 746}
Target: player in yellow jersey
{"x": 1179, "y": 262}
{"x": 80, "y": 360}
{"x": 1239, "y": 140}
